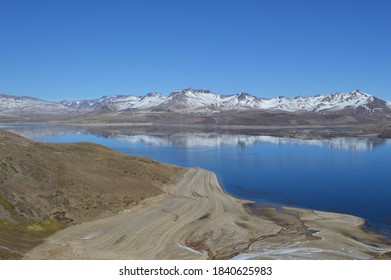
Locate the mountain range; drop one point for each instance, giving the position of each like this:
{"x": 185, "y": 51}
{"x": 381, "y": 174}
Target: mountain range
{"x": 202, "y": 102}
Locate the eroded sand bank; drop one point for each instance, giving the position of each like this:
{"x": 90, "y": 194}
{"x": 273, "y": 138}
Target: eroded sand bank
{"x": 196, "y": 220}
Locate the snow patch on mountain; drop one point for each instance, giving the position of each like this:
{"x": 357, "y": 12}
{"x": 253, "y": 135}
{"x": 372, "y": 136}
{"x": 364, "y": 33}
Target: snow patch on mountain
{"x": 123, "y": 103}
{"x": 118, "y": 102}
{"x": 150, "y": 100}
{"x": 192, "y": 99}
{"x": 11, "y": 104}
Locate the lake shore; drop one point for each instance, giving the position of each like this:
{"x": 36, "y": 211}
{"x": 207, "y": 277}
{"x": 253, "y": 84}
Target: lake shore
{"x": 315, "y": 131}
{"x": 196, "y": 219}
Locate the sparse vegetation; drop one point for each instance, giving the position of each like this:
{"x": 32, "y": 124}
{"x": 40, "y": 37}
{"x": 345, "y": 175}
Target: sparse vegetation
{"x": 384, "y": 256}
{"x": 8, "y": 206}
{"x": 48, "y": 226}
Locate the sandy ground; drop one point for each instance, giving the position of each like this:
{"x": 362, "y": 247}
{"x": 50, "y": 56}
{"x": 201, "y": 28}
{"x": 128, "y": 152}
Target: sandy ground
{"x": 195, "y": 219}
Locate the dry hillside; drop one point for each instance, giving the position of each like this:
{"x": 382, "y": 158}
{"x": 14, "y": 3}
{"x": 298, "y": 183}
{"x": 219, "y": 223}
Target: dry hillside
{"x": 45, "y": 186}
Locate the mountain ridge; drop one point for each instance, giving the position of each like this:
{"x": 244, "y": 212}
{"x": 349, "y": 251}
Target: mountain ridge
{"x": 201, "y": 100}
{"x": 202, "y": 107}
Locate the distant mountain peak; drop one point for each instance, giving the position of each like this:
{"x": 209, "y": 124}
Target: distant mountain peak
{"x": 358, "y": 92}
{"x": 243, "y": 94}
{"x": 190, "y": 90}
{"x": 150, "y": 94}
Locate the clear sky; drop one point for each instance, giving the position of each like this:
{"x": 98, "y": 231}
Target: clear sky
{"x": 68, "y": 49}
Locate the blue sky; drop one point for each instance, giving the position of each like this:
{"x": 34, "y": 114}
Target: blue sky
{"x": 66, "y": 49}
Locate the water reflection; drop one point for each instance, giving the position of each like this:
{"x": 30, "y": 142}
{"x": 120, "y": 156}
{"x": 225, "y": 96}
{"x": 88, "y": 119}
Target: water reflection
{"x": 216, "y": 140}
{"x": 198, "y": 139}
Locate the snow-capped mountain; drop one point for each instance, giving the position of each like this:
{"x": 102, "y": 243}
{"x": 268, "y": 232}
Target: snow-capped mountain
{"x": 118, "y": 102}
{"x": 206, "y": 100}
{"x": 150, "y": 100}
{"x": 201, "y": 99}
{"x": 29, "y": 105}
{"x": 323, "y": 103}
{"x": 191, "y": 100}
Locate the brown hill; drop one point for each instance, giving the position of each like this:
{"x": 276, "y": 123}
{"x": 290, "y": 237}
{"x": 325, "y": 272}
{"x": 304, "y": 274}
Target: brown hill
{"x": 45, "y": 186}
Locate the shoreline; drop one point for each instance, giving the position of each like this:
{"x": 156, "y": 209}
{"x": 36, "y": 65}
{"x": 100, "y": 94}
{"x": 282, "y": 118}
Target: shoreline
{"x": 308, "y": 131}
{"x": 196, "y": 219}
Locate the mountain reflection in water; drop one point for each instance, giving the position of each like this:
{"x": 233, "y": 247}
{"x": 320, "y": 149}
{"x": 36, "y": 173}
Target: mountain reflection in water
{"x": 200, "y": 139}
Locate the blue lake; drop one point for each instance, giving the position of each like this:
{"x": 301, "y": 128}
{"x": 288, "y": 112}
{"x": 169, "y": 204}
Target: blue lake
{"x": 345, "y": 175}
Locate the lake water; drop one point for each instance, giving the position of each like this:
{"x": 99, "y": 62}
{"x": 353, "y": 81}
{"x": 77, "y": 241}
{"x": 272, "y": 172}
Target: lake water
{"x": 345, "y": 175}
